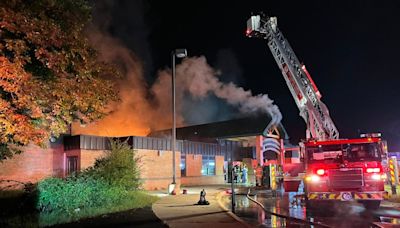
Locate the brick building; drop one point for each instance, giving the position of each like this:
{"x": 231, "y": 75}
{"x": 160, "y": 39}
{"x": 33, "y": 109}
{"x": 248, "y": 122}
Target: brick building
{"x": 202, "y": 154}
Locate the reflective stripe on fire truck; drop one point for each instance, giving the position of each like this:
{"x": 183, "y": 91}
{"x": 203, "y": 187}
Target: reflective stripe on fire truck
{"x": 324, "y": 196}
{"x": 356, "y": 196}
{"x": 368, "y": 196}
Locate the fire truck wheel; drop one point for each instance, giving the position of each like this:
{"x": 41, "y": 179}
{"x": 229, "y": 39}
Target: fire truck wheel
{"x": 316, "y": 204}
{"x": 314, "y": 207}
{"x": 310, "y": 204}
{"x": 371, "y": 204}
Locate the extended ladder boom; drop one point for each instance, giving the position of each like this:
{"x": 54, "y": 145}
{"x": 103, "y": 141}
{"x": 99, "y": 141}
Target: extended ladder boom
{"x": 315, "y": 113}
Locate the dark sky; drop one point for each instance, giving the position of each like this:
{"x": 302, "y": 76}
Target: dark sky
{"x": 351, "y": 49}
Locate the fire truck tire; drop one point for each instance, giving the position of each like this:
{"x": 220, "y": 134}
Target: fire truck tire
{"x": 371, "y": 204}
{"x": 314, "y": 208}
{"x": 311, "y": 204}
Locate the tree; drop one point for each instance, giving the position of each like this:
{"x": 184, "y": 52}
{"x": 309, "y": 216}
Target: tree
{"x": 49, "y": 74}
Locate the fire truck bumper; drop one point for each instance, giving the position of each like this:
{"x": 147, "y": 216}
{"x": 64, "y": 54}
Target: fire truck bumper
{"x": 347, "y": 196}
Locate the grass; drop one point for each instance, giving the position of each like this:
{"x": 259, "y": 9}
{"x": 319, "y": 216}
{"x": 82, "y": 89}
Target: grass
{"x": 135, "y": 199}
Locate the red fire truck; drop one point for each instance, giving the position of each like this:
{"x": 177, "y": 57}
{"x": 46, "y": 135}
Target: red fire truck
{"x": 336, "y": 169}
{"x": 345, "y": 170}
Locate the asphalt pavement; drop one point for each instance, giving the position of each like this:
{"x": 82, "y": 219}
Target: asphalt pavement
{"x": 181, "y": 210}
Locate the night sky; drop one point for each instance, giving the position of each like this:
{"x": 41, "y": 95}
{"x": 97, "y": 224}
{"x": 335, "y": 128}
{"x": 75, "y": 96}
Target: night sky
{"x": 350, "y": 49}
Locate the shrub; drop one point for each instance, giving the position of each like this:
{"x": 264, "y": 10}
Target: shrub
{"x": 76, "y": 193}
{"x": 108, "y": 182}
{"x": 119, "y": 167}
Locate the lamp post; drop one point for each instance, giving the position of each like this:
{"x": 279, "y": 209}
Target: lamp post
{"x": 180, "y": 53}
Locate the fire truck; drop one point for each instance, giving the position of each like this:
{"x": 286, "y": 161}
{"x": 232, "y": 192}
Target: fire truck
{"x": 335, "y": 169}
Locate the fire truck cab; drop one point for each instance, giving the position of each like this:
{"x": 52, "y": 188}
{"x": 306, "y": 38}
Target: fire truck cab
{"x": 345, "y": 170}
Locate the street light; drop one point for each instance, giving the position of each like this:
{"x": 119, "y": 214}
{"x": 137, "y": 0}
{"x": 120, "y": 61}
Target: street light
{"x": 180, "y": 53}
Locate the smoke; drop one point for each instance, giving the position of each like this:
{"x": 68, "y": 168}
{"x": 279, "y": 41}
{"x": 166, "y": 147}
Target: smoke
{"x": 200, "y": 95}
{"x": 196, "y": 78}
{"x": 132, "y": 114}
{"x": 126, "y": 20}
{"x": 144, "y": 108}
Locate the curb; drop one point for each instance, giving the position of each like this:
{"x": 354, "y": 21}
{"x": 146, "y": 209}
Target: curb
{"x": 163, "y": 221}
{"x": 218, "y": 198}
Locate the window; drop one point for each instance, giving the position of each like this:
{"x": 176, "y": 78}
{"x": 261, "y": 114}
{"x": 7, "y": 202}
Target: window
{"x": 183, "y": 165}
{"x": 72, "y": 164}
{"x": 208, "y": 166}
{"x": 342, "y": 152}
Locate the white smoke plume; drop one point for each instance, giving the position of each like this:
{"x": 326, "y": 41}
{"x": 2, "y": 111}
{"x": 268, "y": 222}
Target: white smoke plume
{"x": 197, "y": 78}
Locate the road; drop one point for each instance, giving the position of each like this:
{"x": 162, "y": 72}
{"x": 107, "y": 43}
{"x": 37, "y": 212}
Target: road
{"x": 341, "y": 214}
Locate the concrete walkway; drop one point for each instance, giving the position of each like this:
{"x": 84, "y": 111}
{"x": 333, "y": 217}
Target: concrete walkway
{"x": 181, "y": 211}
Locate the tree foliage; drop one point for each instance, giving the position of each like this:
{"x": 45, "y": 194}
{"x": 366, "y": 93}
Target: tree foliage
{"x": 49, "y": 74}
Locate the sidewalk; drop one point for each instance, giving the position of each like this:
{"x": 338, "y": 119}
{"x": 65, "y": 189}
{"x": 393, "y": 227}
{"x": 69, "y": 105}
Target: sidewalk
{"x": 181, "y": 211}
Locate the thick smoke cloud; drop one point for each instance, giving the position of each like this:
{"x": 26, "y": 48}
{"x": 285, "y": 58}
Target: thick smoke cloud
{"x": 198, "y": 79}
{"x": 201, "y": 96}
{"x": 144, "y": 108}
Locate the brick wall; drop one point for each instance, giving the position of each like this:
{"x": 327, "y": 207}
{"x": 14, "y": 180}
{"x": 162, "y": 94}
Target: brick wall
{"x": 193, "y": 165}
{"x": 202, "y": 180}
{"x": 58, "y": 160}
{"x": 34, "y": 164}
{"x": 156, "y": 168}
{"x": 88, "y": 157}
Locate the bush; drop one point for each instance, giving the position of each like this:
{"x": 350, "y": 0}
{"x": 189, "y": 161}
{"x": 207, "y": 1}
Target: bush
{"x": 109, "y": 182}
{"x": 119, "y": 168}
{"x": 74, "y": 194}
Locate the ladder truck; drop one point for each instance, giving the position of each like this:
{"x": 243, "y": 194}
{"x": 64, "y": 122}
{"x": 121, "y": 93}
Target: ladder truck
{"x": 335, "y": 169}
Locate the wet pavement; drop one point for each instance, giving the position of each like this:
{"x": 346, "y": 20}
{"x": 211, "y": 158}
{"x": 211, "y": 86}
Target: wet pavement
{"x": 340, "y": 214}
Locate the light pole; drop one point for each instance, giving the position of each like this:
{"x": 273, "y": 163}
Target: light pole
{"x": 180, "y": 53}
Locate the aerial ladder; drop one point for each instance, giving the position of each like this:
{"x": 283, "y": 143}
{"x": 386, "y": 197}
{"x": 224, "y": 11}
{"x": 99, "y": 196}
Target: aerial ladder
{"x": 334, "y": 169}
{"x": 303, "y": 89}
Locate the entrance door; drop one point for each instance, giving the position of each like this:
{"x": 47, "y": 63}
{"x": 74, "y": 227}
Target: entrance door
{"x": 72, "y": 164}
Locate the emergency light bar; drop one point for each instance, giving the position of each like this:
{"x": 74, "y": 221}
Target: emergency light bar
{"x": 371, "y": 135}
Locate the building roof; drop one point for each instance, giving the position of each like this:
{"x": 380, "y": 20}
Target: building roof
{"x": 251, "y": 126}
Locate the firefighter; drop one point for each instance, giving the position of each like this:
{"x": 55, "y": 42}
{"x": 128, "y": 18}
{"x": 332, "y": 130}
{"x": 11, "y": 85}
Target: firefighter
{"x": 235, "y": 173}
{"x": 203, "y": 200}
{"x": 240, "y": 174}
{"x": 259, "y": 174}
{"x": 244, "y": 174}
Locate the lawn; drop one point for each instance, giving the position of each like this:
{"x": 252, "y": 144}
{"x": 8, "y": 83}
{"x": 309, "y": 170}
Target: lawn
{"x": 17, "y": 211}
{"x": 135, "y": 199}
